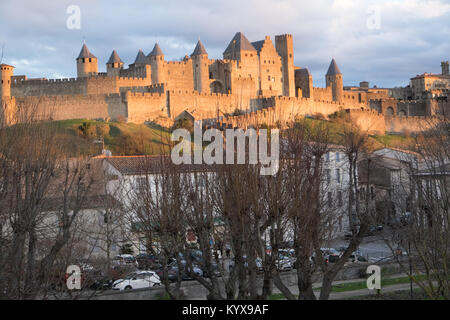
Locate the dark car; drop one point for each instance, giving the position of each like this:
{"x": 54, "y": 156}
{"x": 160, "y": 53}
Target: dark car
{"x": 172, "y": 271}
{"x": 146, "y": 261}
{"x": 98, "y": 280}
{"x": 258, "y": 262}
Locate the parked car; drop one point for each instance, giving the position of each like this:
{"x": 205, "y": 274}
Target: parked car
{"x": 374, "y": 230}
{"x": 124, "y": 259}
{"x": 284, "y": 263}
{"x": 146, "y": 261}
{"x": 172, "y": 271}
{"x": 356, "y": 257}
{"x": 137, "y": 280}
{"x": 96, "y": 279}
{"x": 329, "y": 255}
{"x": 186, "y": 269}
{"x": 259, "y": 264}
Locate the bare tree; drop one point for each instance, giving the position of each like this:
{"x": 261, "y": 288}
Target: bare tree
{"x": 39, "y": 185}
{"x": 422, "y": 227}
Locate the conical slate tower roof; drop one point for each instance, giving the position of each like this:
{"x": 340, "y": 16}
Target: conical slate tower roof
{"x": 333, "y": 69}
{"x": 140, "y": 58}
{"x": 85, "y": 53}
{"x": 199, "y": 49}
{"x": 240, "y": 43}
{"x": 114, "y": 58}
{"x": 156, "y": 51}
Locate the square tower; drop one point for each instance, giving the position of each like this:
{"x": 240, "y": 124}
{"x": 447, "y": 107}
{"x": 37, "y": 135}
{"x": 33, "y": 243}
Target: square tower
{"x": 444, "y": 66}
{"x": 285, "y": 48}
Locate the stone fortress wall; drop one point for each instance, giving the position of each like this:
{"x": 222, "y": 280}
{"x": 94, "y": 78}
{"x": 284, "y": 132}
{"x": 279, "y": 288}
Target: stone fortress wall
{"x": 258, "y": 79}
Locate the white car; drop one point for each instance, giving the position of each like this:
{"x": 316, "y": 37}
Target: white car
{"x": 137, "y": 280}
{"x": 284, "y": 263}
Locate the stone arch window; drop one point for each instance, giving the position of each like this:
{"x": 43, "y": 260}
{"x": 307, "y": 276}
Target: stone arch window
{"x": 402, "y": 113}
{"x": 390, "y": 111}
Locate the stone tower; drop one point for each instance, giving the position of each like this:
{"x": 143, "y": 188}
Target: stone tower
{"x": 239, "y": 48}
{"x": 158, "y": 64}
{"x": 141, "y": 59}
{"x": 6, "y": 103}
{"x": 304, "y": 82}
{"x": 201, "y": 68}
{"x": 334, "y": 80}
{"x": 445, "y": 70}
{"x": 114, "y": 64}
{"x": 87, "y": 63}
{"x": 285, "y": 48}
{"x": 6, "y": 72}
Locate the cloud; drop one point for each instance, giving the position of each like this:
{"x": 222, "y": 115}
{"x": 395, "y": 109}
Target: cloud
{"x": 412, "y": 38}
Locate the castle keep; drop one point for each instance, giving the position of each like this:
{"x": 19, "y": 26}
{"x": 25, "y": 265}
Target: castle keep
{"x": 252, "y": 77}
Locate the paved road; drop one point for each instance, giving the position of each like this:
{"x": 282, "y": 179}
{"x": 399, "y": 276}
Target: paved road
{"x": 371, "y": 247}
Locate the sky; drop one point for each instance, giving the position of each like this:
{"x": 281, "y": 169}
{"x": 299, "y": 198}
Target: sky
{"x": 385, "y": 42}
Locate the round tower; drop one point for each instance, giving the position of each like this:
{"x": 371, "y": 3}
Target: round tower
{"x": 114, "y": 64}
{"x": 87, "y": 63}
{"x": 334, "y": 80}
{"x": 158, "y": 65}
{"x": 200, "y": 68}
{"x": 6, "y": 72}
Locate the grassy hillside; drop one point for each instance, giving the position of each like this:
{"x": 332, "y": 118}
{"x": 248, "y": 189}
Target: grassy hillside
{"x": 80, "y": 135}
{"x": 335, "y": 127}
{"x": 120, "y": 138}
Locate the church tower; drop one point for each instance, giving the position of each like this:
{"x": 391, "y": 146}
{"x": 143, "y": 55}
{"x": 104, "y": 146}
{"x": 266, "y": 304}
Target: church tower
{"x": 87, "y": 63}
{"x": 158, "y": 64}
{"x": 285, "y": 48}
{"x": 114, "y": 65}
{"x": 200, "y": 68}
{"x": 334, "y": 80}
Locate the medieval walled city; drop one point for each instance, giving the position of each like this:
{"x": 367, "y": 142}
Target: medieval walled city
{"x": 255, "y": 82}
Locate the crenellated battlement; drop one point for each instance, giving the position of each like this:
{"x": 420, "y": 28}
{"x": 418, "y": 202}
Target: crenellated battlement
{"x": 179, "y": 63}
{"x": 17, "y": 83}
{"x": 145, "y": 94}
